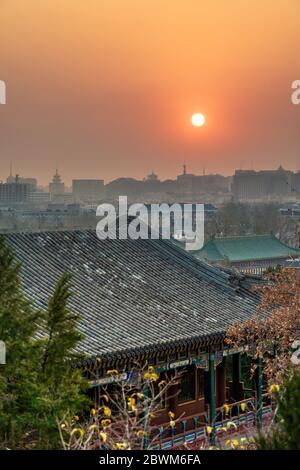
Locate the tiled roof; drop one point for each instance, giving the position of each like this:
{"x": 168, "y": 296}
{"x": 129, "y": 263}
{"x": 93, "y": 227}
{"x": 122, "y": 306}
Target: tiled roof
{"x": 247, "y": 248}
{"x": 132, "y": 296}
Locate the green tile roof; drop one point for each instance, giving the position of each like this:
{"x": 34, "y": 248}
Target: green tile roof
{"x": 246, "y": 248}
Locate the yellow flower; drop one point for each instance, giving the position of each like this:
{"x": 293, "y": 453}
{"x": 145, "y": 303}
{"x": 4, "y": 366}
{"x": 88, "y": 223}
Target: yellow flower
{"x": 243, "y": 440}
{"x": 228, "y": 442}
{"x": 93, "y": 411}
{"x": 105, "y": 422}
{"x": 171, "y": 414}
{"x": 103, "y": 436}
{"x": 274, "y": 388}
{"x": 121, "y": 445}
{"x": 230, "y": 424}
{"x": 131, "y": 403}
{"x": 234, "y": 443}
{"x": 243, "y": 406}
{"x": 112, "y": 371}
{"x": 106, "y": 411}
{"x": 151, "y": 375}
{"x": 226, "y": 408}
{"x": 63, "y": 425}
{"x": 98, "y": 360}
{"x": 141, "y": 433}
{"x": 140, "y": 395}
{"x": 93, "y": 427}
{"x": 76, "y": 418}
{"x": 77, "y": 430}
{"x": 209, "y": 430}
{"x": 172, "y": 424}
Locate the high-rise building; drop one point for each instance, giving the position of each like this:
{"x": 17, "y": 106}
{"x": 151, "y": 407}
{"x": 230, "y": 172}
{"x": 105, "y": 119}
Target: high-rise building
{"x": 56, "y": 187}
{"x": 32, "y": 182}
{"x": 190, "y": 183}
{"x": 38, "y": 197}
{"x": 248, "y": 185}
{"x": 14, "y": 193}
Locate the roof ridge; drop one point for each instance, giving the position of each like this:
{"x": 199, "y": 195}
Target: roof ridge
{"x": 212, "y": 273}
{"x": 244, "y": 237}
{"x": 287, "y": 246}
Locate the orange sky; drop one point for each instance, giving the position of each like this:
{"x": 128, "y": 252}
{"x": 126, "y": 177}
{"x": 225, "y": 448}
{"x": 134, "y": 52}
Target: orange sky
{"x": 106, "y": 88}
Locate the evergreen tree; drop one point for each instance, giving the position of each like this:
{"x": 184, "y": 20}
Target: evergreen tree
{"x": 38, "y": 384}
{"x": 63, "y": 385}
{"x": 286, "y": 433}
{"x": 18, "y": 326}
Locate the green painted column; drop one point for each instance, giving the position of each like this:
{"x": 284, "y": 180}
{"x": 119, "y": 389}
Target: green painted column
{"x": 146, "y": 411}
{"x": 212, "y": 397}
{"x": 259, "y": 392}
{"x": 237, "y": 359}
{"x": 236, "y": 377}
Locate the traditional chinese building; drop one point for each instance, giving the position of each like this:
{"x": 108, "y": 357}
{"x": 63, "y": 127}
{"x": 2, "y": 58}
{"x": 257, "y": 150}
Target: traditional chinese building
{"x": 151, "y": 302}
{"x": 250, "y": 254}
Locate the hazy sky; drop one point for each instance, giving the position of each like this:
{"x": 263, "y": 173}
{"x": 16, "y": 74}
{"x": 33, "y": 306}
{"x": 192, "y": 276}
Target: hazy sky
{"x": 106, "y": 88}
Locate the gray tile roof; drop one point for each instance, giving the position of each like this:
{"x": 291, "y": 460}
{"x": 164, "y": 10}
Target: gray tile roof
{"x": 132, "y": 295}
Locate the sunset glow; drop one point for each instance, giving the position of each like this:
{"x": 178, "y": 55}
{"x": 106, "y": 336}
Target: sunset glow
{"x": 198, "y": 120}
{"x": 111, "y": 81}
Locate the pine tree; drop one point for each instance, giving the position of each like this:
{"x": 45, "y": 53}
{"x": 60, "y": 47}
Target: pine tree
{"x": 286, "y": 433}
{"x": 38, "y": 384}
{"x": 63, "y": 385}
{"x": 18, "y": 326}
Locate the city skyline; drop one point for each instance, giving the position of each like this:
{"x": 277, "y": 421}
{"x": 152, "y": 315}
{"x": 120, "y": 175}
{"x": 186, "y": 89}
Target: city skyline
{"x": 184, "y": 168}
{"x": 110, "y": 88}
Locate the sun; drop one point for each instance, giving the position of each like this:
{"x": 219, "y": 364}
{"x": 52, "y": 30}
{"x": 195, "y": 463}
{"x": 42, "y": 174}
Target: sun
{"x": 198, "y": 119}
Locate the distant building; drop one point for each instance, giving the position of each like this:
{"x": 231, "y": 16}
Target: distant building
{"x": 56, "y": 187}
{"x": 38, "y": 197}
{"x": 185, "y": 186}
{"x": 87, "y": 190}
{"x": 190, "y": 183}
{"x": 296, "y": 183}
{"x": 152, "y": 177}
{"x": 14, "y": 193}
{"x": 32, "y": 182}
{"x": 250, "y": 185}
{"x": 249, "y": 254}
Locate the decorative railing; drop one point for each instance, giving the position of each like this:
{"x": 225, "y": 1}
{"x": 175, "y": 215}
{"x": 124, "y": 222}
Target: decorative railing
{"x": 187, "y": 430}
{"x": 230, "y": 418}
